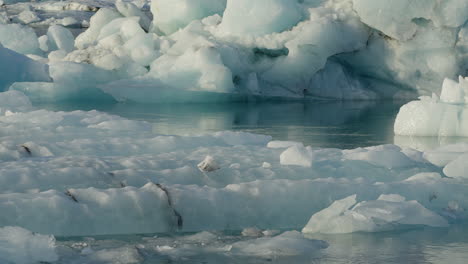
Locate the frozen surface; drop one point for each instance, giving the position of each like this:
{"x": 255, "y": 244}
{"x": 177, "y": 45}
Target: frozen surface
{"x": 218, "y": 50}
{"x": 386, "y": 213}
{"x": 446, "y": 115}
{"x": 92, "y": 173}
{"x": 21, "y": 246}
{"x": 16, "y": 67}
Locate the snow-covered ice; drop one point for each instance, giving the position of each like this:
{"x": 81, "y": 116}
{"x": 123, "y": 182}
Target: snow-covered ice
{"x": 386, "y": 213}
{"x": 21, "y": 246}
{"x": 444, "y": 115}
{"x": 211, "y": 50}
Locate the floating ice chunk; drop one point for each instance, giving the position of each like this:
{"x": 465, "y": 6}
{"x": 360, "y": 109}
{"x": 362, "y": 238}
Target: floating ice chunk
{"x": 21, "y": 39}
{"x": 21, "y": 246}
{"x": 171, "y": 15}
{"x": 208, "y": 164}
{"x": 60, "y": 38}
{"x": 458, "y": 168}
{"x": 129, "y": 9}
{"x": 16, "y": 67}
{"x": 297, "y": 155}
{"x": 260, "y": 17}
{"x": 433, "y": 117}
{"x": 389, "y": 156}
{"x": 290, "y": 243}
{"x": 388, "y": 212}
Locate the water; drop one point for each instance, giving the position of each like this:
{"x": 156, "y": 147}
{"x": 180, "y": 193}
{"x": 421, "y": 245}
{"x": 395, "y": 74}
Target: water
{"x": 320, "y": 124}
{"x": 344, "y": 125}
{"x": 418, "y": 246}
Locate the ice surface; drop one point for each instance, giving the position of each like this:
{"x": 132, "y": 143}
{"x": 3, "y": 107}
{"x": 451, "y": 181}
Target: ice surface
{"x": 21, "y": 246}
{"x": 218, "y": 50}
{"x": 15, "y": 67}
{"x": 388, "y": 212}
{"x": 92, "y": 173}
{"x": 261, "y": 17}
{"x": 60, "y": 38}
{"x": 170, "y": 15}
{"x": 447, "y": 116}
{"x": 19, "y": 38}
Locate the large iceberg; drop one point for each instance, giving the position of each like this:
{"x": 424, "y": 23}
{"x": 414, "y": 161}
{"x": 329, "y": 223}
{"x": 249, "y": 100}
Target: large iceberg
{"x": 215, "y": 50}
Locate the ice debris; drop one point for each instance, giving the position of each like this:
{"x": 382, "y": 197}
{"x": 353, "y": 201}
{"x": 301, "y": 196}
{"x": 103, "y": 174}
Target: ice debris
{"x": 21, "y": 246}
{"x": 446, "y": 115}
{"x": 388, "y": 212}
{"x": 210, "y": 50}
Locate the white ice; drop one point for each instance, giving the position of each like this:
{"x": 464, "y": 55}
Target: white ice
{"x": 21, "y": 246}
{"x": 386, "y": 213}
{"x": 446, "y": 115}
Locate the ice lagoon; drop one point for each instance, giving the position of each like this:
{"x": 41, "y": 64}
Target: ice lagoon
{"x": 233, "y": 131}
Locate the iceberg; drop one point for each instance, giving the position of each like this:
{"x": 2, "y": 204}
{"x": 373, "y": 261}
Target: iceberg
{"x": 388, "y": 212}
{"x": 446, "y": 115}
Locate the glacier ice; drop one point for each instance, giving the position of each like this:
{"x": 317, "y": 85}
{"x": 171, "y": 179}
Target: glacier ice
{"x": 18, "y": 245}
{"x": 170, "y": 15}
{"x": 16, "y": 67}
{"x": 106, "y": 171}
{"x": 385, "y": 213}
{"x": 446, "y": 115}
{"x": 218, "y": 50}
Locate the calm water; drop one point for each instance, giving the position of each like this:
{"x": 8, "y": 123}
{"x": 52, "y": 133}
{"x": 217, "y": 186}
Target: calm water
{"x": 417, "y": 246}
{"x": 342, "y": 125}
{"x": 320, "y": 124}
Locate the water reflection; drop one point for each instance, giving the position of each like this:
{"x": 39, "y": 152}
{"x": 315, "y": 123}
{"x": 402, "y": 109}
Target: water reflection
{"x": 321, "y": 124}
{"x": 425, "y": 245}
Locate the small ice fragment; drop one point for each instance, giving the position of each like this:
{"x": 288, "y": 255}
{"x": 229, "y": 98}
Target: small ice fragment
{"x": 208, "y": 164}
{"x": 252, "y": 232}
